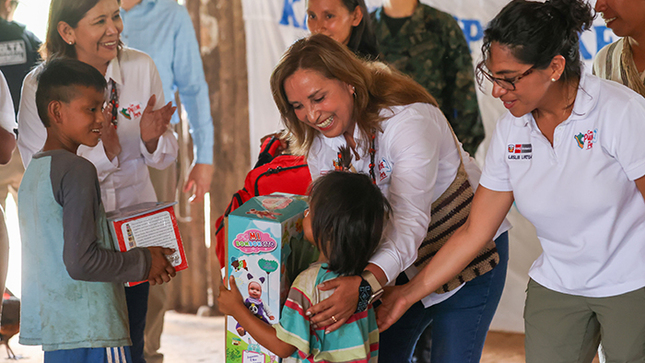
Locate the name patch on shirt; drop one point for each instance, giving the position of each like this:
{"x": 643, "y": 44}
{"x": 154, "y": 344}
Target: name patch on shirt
{"x": 585, "y": 141}
{"x": 13, "y": 52}
{"x": 520, "y": 151}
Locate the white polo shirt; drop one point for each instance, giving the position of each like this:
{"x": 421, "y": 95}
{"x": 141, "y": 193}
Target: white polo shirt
{"x": 416, "y": 161}
{"x": 580, "y": 194}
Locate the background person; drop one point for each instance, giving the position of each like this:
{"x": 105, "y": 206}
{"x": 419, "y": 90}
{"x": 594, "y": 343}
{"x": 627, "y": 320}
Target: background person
{"x": 20, "y": 49}
{"x": 623, "y": 61}
{"x": 578, "y": 177}
{"x": 20, "y": 55}
{"x": 429, "y": 46}
{"x": 328, "y": 98}
{"x": 345, "y": 21}
{"x": 135, "y": 134}
{"x": 163, "y": 30}
{"x": 7, "y": 144}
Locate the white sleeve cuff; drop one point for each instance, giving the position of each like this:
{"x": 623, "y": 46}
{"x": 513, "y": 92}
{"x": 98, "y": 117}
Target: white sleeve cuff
{"x": 165, "y": 153}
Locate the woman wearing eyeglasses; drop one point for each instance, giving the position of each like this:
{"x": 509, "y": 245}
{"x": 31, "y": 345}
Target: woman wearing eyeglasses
{"x": 569, "y": 154}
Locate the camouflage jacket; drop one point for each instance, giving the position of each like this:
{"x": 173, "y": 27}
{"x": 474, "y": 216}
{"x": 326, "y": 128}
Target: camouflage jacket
{"x": 431, "y": 48}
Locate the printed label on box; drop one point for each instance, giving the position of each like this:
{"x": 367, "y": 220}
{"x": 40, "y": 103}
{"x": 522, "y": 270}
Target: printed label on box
{"x": 153, "y": 230}
{"x": 148, "y": 224}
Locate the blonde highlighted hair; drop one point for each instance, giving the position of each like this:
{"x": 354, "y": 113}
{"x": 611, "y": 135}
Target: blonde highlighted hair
{"x": 376, "y": 86}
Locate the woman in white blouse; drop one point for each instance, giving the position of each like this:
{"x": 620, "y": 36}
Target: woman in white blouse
{"x": 135, "y": 133}
{"x": 328, "y": 98}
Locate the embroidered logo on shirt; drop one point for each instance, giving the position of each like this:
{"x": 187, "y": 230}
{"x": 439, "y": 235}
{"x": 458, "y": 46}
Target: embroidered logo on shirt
{"x": 124, "y": 112}
{"x": 384, "y": 169}
{"x": 585, "y": 141}
{"x": 134, "y": 110}
{"x": 520, "y": 151}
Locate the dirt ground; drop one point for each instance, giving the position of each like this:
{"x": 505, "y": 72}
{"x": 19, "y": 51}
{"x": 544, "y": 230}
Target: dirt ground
{"x": 186, "y": 339}
{"x": 192, "y": 339}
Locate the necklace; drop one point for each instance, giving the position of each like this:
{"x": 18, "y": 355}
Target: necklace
{"x": 372, "y": 155}
{"x": 114, "y": 101}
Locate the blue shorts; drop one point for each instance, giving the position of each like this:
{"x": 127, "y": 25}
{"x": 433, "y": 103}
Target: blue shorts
{"x": 89, "y": 355}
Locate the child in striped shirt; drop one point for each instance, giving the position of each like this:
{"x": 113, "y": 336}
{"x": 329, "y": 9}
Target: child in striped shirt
{"x": 345, "y": 221}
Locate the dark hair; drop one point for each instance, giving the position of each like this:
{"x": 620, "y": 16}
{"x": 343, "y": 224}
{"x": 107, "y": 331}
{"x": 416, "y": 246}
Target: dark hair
{"x": 348, "y": 216}
{"x": 376, "y": 85}
{"x": 70, "y": 12}
{"x": 535, "y": 32}
{"x": 362, "y": 41}
{"x": 58, "y": 79}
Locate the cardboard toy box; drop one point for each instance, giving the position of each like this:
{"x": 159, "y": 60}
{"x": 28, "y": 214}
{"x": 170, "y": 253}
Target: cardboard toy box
{"x": 148, "y": 225}
{"x": 266, "y": 250}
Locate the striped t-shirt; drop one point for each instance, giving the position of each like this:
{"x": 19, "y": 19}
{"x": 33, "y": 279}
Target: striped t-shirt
{"x": 356, "y": 341}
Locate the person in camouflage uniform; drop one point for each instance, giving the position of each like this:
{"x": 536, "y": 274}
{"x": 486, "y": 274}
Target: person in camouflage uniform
{"x": 430, "y": 47}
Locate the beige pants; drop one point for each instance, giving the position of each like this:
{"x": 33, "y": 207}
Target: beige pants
{"x": 10, "y": 176}
{"x": 4, "y": 255}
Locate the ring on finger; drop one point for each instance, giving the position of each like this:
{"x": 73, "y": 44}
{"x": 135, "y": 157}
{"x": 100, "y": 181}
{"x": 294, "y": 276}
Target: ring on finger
{"x": 333, "y": 318}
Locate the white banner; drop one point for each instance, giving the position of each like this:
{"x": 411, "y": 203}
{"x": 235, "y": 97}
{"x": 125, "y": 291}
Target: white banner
{"x": 272, "y": 25}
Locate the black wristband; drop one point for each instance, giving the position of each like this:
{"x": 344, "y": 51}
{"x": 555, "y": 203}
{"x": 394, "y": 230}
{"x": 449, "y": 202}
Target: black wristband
{"x": 364, "y": 294}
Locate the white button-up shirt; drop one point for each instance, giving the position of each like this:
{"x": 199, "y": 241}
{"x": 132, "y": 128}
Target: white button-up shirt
{"x": 416, "y": 161}
{"x": 579, "y": 193}
{"x": 124, "y": 180}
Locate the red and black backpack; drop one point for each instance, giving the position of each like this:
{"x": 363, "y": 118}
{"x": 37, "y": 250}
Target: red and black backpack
{"x": 282, "y": 173}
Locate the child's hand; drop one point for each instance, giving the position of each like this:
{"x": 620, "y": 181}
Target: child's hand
{"x": 230, "y": 301}
{"x": 109, "y": 136}
{"x": 160, "y": 270}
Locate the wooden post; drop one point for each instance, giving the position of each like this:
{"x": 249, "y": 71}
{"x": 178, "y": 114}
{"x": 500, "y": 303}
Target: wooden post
{"x": 220, "y": 28}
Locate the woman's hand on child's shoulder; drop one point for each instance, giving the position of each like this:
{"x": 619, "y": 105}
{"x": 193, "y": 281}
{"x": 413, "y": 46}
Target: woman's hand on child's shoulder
{"x": 393, "y": 305}
{"x": 334, "y": 311}
{"x": 229, "y": 301}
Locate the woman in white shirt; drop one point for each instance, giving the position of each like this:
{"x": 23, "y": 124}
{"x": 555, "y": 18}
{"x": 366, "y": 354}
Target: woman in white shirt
{"x": 328, "y": 98}
{"x": 135, "y": 134}
{"x": 569, "y": 154}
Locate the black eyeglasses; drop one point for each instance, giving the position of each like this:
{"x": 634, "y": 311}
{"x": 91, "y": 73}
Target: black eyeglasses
{"x": 506, "y": 83}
